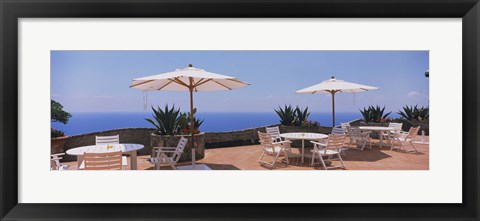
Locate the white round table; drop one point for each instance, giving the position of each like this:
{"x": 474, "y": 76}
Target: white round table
{"x": 378, "y": 129}
{"x": 303, "y": 137}
{"x": 126, "y": 148}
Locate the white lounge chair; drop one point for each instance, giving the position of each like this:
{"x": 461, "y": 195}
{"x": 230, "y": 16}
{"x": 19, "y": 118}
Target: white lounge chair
{"x": 331, "y": 148}
{"x": 275, "y": 133}
{"x": 168, "y": 155}
{"x": 273, "y": 149}
{"x": 403, "y": 137}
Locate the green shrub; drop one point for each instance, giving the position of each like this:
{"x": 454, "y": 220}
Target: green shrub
{"x": 301, "y": 116}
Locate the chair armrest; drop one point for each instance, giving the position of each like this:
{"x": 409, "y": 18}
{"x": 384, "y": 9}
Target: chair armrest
{"x": 165, "y": 148}
{"x": 168, "y": 151}
{"x": 318, "y": 143}
{"x": 57, "y": 154}
{"x": 282, "y": 142}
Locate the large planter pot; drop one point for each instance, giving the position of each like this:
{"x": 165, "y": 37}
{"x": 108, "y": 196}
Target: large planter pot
{"x": 57, "y": 144}
{"x": 172, "y": 141}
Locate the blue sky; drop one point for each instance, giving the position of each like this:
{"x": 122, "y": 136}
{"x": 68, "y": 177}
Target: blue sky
{"x": 98, "y": 81}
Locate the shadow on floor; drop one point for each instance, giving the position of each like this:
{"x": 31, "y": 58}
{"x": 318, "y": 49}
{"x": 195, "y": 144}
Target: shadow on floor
{"x": 365, "y": 155}
{"x": 212, "y": 166}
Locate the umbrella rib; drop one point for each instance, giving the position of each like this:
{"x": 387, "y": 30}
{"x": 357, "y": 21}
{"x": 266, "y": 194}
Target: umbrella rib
{"x": 164, "y": 85}
{"x": 178, "y": 81}
{"x": 235, "y": 80}
{"x": 144, "y": 82}
{"x": 221, "y": 84}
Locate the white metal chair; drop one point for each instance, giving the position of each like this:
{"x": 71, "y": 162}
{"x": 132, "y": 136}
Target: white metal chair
{"x": 273, "y": 149}
{"x": 103, "y": 161}
{"x": 275, "y": 133}
{"x": 55, "y": 162}
{"x": 115, "y": 139}
{"x": 168, "y": 155}
{"x": 403, "y": 137}
{"x": 332, "y": 148}
{"x": 359, "y": 138}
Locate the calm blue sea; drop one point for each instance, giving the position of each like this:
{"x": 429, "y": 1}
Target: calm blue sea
{"x": 81, "y": 123}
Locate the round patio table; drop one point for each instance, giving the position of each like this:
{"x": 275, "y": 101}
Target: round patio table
{"x": 303, "y": 137}
{"x": 126, "y": 148}
{"x": 378, "y": 129}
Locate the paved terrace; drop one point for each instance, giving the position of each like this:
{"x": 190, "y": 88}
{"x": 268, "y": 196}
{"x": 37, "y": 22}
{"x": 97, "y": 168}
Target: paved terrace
{"x": 246, "y": 157}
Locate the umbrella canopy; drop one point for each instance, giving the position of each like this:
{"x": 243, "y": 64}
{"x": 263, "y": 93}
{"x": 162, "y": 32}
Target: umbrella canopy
{"x": 332, "y": 86}
{"x": 188, "y": 79}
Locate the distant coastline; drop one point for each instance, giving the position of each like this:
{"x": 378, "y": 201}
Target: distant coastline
{"x": 82, "y": 123}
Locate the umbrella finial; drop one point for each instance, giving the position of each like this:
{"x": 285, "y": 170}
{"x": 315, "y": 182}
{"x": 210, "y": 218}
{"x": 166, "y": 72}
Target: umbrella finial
{"x": 332, "y": 77}
{"x": 190, "y": 65}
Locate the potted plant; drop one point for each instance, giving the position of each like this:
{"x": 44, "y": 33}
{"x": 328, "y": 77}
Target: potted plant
{"x": 171, "y": 124}
{"x": 58, "y": 137}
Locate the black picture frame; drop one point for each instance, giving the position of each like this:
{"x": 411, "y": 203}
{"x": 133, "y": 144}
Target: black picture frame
{"x": 11, "y": 11}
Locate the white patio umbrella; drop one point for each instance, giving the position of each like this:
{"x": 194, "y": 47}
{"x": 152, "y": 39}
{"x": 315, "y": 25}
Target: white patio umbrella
{"x": 188, "y": 79}
{"x": 333, "y": 86}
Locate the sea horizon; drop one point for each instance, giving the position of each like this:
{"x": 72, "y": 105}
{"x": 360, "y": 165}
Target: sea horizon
{"x": 90, "y": 122}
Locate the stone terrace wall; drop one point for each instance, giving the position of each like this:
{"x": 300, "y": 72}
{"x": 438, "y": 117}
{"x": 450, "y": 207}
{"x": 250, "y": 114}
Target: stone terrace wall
{"x": 250, "y": 136}
{"x": 212, "y": 139}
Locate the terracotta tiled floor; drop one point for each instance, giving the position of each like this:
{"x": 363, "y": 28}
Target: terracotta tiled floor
{"x": 246, "y": 157}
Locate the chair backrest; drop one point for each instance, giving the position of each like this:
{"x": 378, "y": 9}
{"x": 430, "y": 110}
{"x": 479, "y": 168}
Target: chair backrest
{"x": 397, "y": 126}
{"x": 344, "y": 126}
{"x": 107, "y": 139}
{"x": 265, "y": 140}
{"x": 412, "y": 133}
{"x": 179, "y": 150}
{"x": 103, "y": 161}
{"x": 354, "y": 133}
{"x": 274, "y": 132}
{"x": 338, "y": 130}
{"x": 335, "y": 142}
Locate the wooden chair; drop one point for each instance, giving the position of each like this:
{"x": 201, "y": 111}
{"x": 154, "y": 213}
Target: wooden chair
{"x": 103, "y": 161}
{"x": 55, "y": 162}
{"x": 359, "y": 138}
{"x": 168, "y": 155}
{"x": 404, "y": 137}
{"x": 332, "y": 148}
{"x": 273, "y": 149}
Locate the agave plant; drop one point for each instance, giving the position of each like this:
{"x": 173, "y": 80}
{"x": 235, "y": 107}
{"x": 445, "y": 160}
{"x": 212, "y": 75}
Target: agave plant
{"x": 167, "y": 121}
{"x": 414, "y": 113}
{"x": 374, "y": 114}
{"x": 301, "y": 116}
{"x": 287, "y": 115}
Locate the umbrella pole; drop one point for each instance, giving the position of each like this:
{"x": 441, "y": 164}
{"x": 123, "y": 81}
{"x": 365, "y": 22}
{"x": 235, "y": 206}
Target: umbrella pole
{"x": 333, "y": 109}
{"x": 192, "y": 126}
